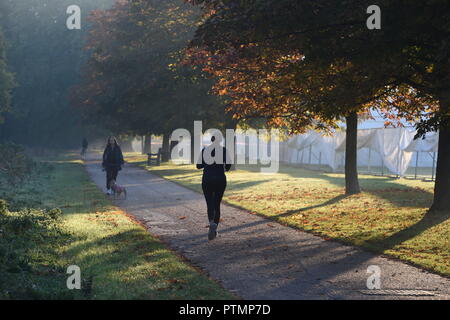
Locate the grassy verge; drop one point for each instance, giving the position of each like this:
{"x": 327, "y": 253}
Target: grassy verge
{"x": 388, "y": 217}
{"x": 118, "y": 258}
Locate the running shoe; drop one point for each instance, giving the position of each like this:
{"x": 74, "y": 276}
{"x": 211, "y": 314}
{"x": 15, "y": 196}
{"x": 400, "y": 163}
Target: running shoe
{"x": 212, "y": 231}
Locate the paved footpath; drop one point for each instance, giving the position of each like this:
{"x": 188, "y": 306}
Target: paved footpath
{"x": 256, "y": 258}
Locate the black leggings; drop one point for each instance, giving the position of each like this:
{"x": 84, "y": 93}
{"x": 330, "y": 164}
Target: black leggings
{"x": 213, "y": 189}
{"x": 111, "y": 174}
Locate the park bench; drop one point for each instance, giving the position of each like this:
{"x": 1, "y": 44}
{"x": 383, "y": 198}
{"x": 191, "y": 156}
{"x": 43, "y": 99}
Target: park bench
{"x": 154, "y": 158}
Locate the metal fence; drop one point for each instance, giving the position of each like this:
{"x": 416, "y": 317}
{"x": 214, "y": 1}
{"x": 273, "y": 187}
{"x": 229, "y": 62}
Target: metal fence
{"x": 422, "y": 165}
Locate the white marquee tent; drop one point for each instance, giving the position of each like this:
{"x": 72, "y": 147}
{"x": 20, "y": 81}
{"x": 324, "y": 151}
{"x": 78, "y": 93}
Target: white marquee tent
{"x": 392, "y": 148}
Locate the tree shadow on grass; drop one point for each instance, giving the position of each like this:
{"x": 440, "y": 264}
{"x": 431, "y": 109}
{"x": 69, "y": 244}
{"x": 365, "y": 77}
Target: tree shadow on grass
{"x": 234, "y": 186}
{"x": 401, "y": 196}
{"x": 197, "y": 186}
{"x": 131, "y": 265}
{"x": 387, "y": 189}
{"x": 429, "y": 220}
{"x": 382, "y": 187}
{"x": 188, "y": 173}
{"x": 316, "y": 206}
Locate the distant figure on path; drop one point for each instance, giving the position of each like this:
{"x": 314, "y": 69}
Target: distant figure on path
{"x": 84, "y": 146}
{"x": 214, "y": 182}
{"x": 112, "y": 162}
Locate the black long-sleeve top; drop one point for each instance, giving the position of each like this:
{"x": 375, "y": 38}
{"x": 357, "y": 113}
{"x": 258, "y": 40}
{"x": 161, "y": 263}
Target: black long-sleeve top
{"x": 215, "y": 169}
{"x": 112, "y": 158}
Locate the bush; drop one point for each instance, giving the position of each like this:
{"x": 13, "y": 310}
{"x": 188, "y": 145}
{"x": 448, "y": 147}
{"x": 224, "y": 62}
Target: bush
{"x": 15, "y": 165}
{"x": 31, "y": 266}
{"x": 27, "y": 239}
{"x": 14, "y": 174}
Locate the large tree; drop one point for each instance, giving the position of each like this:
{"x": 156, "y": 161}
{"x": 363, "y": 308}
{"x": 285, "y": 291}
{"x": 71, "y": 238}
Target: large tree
{"x": 346, "y": 65}
{"x": 133, "y": 82}
{"x": 261, "y": 80}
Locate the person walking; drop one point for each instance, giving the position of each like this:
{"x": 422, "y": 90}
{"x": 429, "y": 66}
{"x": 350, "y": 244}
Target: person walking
{"x": 84, "y": 146}
{"x": 112, "y": 162}
{"x": 214, "y": 181}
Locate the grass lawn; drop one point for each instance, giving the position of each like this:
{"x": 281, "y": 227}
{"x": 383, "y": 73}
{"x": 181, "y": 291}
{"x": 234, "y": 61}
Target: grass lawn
{"x": 388, "y": 217}
{"x": 118, "y": 258}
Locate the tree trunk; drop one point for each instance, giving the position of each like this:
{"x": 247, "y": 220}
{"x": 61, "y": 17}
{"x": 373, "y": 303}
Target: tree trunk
{"x": 233, "y": 166}
{"x": 193, "y": 160}
{"x": 165, "y": 147}
{"x": 148, "y": 144}
{"x": 441, "y": 201}
{"x": 351, "y": 163}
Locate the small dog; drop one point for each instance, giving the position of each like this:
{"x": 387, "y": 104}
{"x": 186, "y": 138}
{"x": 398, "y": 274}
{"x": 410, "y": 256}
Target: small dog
{"x": 118, "y": 190}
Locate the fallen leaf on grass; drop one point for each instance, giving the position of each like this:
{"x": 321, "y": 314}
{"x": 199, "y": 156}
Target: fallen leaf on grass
{"x": 181, "y": 218}
{"x": 175, "y": 281}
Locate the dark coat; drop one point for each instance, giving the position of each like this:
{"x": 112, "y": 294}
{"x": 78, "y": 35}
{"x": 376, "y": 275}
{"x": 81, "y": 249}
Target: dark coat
{"x": 112, "y": 158}
{"x": 214, "y": 169}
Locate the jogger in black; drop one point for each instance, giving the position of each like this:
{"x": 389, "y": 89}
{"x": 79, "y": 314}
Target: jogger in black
{"x": 214, "y": 181}
{"x": 112, "y": 162}
{"x": 213, "y": 189}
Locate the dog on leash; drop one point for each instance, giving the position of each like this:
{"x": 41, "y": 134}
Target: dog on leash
{"x": 118, "y": 190}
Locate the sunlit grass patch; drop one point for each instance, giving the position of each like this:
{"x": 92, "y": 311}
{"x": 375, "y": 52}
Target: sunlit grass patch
{"x": 121, "y": 259}
{"x": 118, "y": 258}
